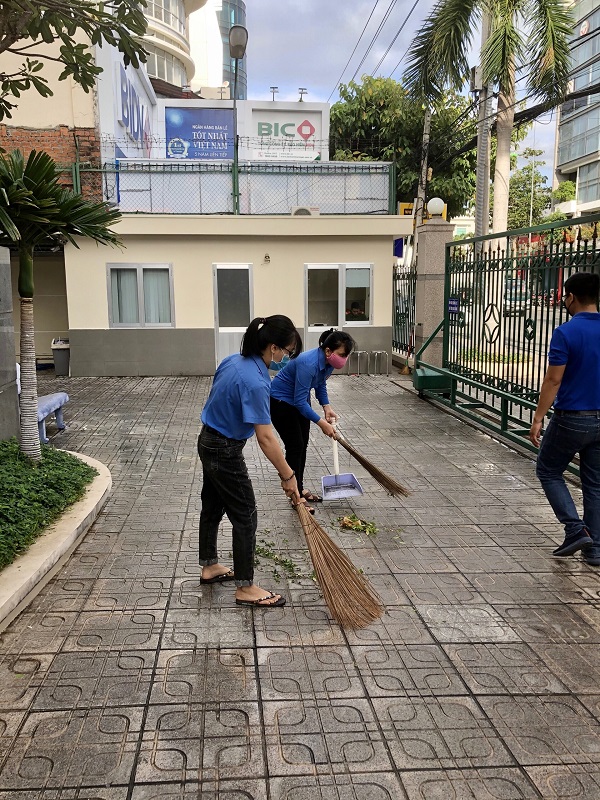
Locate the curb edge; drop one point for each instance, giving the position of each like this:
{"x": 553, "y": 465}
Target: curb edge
{"x": 27, "y": 572}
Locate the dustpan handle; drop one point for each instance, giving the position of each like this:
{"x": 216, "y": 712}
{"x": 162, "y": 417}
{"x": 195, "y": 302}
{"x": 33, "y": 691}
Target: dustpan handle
{"x": 336, "y": 459}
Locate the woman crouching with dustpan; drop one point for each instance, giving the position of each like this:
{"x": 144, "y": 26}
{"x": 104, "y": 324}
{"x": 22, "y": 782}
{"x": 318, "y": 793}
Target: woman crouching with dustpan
{"x": 291, "y": 412}
{"x": 238, "y": 407}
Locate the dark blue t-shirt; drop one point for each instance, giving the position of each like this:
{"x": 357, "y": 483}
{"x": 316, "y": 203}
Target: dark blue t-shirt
{"x": 576, "y": 343}
{"x": 239, "y": 397}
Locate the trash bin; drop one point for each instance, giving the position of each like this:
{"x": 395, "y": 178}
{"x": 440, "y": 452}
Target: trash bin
{"x": 61, "y": 353}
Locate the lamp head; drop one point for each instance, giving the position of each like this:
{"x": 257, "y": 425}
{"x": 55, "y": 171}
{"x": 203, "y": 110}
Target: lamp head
{"x": 436, "y": 206}
{"x": 238, "y": 39}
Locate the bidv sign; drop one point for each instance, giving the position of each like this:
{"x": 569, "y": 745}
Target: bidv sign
{"x": 134, "y": 114}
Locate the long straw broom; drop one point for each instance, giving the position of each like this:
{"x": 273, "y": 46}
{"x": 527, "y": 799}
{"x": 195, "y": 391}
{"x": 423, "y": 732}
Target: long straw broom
{"x": 383, "y": 479}
{"x": 349, "y": 596}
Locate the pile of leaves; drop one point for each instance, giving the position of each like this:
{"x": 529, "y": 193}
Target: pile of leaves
{"x": 280, "y": 565}
{"x": 353, "y": 523}
{"x": 34, "y": 494}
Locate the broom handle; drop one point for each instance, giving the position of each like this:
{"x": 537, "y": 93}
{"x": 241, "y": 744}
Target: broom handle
{"x": 336, "y": 459}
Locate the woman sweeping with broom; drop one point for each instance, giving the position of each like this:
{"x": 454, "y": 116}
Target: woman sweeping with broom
{"x": 291, "y": 412}
{"x": 238, "y": 407}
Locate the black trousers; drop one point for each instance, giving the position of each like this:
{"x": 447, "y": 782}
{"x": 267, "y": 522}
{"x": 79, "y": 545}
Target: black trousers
{"x": 294, "y": 429}
{"x": 226, "y": 489}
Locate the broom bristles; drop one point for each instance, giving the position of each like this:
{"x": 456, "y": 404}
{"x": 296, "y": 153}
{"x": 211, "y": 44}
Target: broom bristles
{"x": 349, "y": 596}
{"x": 383, "y": 479}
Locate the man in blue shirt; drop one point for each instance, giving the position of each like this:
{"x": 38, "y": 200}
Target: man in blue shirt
{"x": 572, "y": 384}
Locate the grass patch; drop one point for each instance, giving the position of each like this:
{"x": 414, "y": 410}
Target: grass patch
{"x": 34, "y": 494}
{"x": 495, "y": 358}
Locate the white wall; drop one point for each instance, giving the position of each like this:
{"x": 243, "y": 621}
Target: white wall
{"x": 193, "y": 244}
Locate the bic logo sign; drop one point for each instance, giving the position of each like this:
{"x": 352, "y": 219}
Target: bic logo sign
{"x": 273, "y": 129}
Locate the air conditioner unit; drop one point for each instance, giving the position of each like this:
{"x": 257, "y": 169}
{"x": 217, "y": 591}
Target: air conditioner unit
{"x": 305, "y": 211}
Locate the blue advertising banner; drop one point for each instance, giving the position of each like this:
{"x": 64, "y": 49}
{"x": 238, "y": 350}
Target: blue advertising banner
{"x": 205, "y": 133}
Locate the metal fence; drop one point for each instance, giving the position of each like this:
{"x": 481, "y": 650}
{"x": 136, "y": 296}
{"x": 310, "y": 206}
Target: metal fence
{"x": 503, "y": 297}
{"x": 207, "y": 188}
{"x": 405, "y": 290}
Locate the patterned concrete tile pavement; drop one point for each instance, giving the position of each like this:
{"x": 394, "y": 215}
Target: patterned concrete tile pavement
{"x": 125, "y": 679}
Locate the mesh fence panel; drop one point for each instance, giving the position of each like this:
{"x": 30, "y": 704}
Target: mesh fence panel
{"x": 277, "y": 188}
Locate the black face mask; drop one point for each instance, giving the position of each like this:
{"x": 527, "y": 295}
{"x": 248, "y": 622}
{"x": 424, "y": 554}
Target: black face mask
{"x": 567, "y": 307}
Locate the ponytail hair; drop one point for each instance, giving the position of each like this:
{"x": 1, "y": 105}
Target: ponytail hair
{"x": 263, "y": 331}
{"x": 334, "y": 339}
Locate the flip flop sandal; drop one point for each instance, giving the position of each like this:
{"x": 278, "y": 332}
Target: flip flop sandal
{"x": 226, "y": 576}
{"x": 311, "y": 497}
{"x": 260, "y": 603}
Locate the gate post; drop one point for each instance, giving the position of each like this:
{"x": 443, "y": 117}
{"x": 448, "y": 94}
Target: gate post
{"x": 429, "y": 302}
{"x": 9, "y": 403}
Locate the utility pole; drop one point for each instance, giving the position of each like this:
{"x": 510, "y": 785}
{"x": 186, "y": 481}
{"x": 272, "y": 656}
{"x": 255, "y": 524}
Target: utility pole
{"x": 423, "y": 175}
{"x": 482, "y": 190}
{"x": 274, "y": 90}
{"x": 532, "y": 186}
{"x": 302, "y": 91}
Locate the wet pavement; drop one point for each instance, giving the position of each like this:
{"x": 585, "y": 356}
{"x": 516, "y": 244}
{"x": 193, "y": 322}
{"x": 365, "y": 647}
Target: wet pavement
{"x": 127, "y": 680}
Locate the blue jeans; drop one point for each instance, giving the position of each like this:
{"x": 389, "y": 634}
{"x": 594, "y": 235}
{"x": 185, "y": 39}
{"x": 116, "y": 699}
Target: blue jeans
{"x": 226, "y": 489}
{"x": 564, "y": 438}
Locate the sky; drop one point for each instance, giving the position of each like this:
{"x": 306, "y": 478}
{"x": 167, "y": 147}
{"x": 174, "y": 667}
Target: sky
{"x": 293, "y": 43}
{"x": 306, "y": 43}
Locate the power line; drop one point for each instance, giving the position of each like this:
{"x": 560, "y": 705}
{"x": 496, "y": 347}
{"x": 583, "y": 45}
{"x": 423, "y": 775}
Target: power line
{"x": 386, "y": 16}
{"x": 399, "y": 62}
{"x": 337, "y": 83}
{"x": 523, "y": 117}
{"x": 406, "y": 18}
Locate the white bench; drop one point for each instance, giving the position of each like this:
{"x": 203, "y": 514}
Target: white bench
{"x": 51, "y": 404}
{"x": 47, "y": 404}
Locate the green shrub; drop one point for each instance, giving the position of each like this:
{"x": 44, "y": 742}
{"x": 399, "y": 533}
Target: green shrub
{"x": 34, "y": 494}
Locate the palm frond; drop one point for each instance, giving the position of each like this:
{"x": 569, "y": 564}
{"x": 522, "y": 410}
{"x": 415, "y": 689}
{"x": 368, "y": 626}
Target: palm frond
{"x": 552, "y": 25}
{"x": 36, "y": 209}
{"x": 438, "y": 54}
{"x": 505, "y": 46}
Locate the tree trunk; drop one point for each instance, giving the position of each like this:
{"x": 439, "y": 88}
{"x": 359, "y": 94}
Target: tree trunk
{"x": 504, "y": 126}
{"x": 30, "y": 440}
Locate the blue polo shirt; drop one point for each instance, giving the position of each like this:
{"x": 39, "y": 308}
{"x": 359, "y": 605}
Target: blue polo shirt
{"x": 294, "y": 382}
{"x": 239, "y": 397}
{"x": 576, "y": 343}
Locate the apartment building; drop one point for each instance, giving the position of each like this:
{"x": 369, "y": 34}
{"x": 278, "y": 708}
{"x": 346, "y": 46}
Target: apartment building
{"x": 578, "y": 139}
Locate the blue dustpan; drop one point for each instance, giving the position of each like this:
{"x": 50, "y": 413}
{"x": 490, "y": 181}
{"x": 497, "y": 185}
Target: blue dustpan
{"x": 336, "y": 486}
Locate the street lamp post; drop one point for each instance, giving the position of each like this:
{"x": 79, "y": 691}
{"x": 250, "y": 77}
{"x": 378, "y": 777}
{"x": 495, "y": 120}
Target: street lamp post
{"x": 238, "y": 39}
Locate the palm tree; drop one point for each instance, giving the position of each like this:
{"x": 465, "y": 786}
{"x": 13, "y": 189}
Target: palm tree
{"x": 530, "y": 34}
{"x": 34, "y": 210}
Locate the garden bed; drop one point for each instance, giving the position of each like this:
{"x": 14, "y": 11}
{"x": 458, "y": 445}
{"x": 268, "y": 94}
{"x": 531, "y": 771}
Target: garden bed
{"x": 34, "y": 494}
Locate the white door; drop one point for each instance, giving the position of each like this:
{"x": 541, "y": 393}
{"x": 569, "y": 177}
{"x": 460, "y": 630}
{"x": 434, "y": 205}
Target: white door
{"x": 233, "y": 306}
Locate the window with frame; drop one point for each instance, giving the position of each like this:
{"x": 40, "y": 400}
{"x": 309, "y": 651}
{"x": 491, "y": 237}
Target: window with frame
{"x": 338, "y": 294}
{"x": 140, "y": 295}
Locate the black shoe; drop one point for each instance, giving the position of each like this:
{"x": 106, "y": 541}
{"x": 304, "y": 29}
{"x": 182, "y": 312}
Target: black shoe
{"x": 573, "y": 543}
